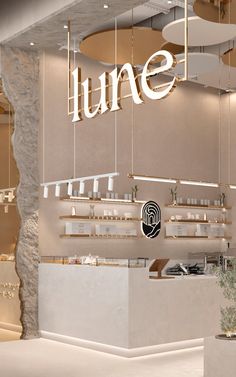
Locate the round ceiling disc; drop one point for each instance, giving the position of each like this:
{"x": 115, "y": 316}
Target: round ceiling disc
{"x": 229, "y": 58}
{"x": 198, "y": 63}
{"x": 210, "y": 12}
{"x": 200, "y": 32}
{"x": 143, "y": 41}
{"x": 173, "y": 48}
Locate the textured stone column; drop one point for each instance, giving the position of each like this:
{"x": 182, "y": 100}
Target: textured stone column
{"x": 20, "y": 76}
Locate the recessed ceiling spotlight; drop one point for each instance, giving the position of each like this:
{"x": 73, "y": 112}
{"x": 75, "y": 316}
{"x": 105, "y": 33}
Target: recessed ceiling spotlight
{"x": 32, "y": 43}
{"x": 105, "y": 6}
{"x": 169, "y": 1}
{"x": 65, "y": 26}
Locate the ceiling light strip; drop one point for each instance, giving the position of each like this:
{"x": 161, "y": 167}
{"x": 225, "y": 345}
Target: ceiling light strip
{"x": 172, "y": 180}
{"x": 198, "y": 183}
{"x": 152, "y": 179}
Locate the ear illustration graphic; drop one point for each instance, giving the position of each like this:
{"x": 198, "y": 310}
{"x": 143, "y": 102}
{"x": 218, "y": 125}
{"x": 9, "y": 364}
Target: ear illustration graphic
{"x": 151, "y": 219}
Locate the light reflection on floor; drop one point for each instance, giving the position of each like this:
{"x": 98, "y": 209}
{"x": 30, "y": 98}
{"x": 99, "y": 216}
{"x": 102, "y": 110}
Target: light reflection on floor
{"x": 41, "y": 357}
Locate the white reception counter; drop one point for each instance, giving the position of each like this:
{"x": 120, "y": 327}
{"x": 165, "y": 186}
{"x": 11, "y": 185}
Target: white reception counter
{"x": 120, "y": 310}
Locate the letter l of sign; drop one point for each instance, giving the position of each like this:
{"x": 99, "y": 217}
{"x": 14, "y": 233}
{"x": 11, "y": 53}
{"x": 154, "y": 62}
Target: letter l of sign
{"x": 77, "y": 95}
{"x": 103, "y": 105}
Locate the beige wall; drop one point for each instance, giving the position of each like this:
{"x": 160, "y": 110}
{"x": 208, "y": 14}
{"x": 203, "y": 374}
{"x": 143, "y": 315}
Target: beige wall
{"x": 9, "y": 222}
{"x": 176, "y": 137}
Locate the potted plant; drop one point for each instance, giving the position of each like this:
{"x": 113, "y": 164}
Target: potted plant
{"x": 227, "y": 281}
{"x": 222, "y": 199}
{"x": 134, "y": 193}
{"x": 174, "y": 195}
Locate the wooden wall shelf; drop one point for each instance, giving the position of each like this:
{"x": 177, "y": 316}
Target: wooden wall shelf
{"x": 197, "y": 238}
{"x": 198, "y": 222}
{"x": 192, "y": 206}
{"x": 99, "y": 218}
{"x": 96, "y": 237}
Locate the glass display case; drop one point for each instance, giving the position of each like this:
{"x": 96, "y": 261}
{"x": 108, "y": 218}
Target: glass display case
{"x": 92, "y": 260}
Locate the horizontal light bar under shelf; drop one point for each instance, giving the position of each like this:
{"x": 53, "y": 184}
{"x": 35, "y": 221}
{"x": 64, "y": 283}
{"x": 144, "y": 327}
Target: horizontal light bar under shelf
{"x": 209, "y": 222}
{"x": 99, "y": 218}
{"x": 101, "y": 236}
{"x": 198, "y": 238}
{"x": 102, "y": 200}
{"x": 193, "y": 206}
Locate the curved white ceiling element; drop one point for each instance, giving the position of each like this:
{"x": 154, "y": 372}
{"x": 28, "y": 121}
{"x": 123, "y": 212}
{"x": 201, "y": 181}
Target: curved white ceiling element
{"x": 201, "y": 32}
{"x": 198, "y": 63}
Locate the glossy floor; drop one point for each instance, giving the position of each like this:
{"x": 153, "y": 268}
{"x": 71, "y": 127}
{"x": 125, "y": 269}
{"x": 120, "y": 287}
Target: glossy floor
{"x": 41, "y": 357}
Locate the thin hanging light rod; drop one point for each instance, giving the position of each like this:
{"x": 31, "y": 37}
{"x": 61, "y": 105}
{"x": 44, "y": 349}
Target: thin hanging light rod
{"x": 152, "y": 178}
{"x": 173, "y": 180}
{"x": 198, "y": 183}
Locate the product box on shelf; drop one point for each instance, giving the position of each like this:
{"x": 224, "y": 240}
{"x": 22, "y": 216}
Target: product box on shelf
{"x": 217, "y": 230}
{"x": 176, "y": 230}
{"x": 105, "y": 229}
{"x": 78, "y": 228}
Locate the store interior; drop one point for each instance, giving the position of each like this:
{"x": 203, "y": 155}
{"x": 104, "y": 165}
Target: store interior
{"x": 74, "y": 185}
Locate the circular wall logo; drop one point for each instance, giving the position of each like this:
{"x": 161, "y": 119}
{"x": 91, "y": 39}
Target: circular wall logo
{"x": 151, "y": 219}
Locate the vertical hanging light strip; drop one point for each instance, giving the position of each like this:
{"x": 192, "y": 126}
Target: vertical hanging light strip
{"x": 132, "y": 103}
{"x": 68, "y": 66}
{"x": 185, "y": 40}
{"x": 115, "y": 138}
{"x": 229, "y": 116}
{"x": 110, "y": 182}
{"x": 219, "y": 122}
{"x": 45, "y": 191}
{"x": 229, "y": 110}
{"x": 232, "y": 186}
{"x": 9, "y": 146}
{"x": 43, "y": 117}
{"x": 74, "y": 124}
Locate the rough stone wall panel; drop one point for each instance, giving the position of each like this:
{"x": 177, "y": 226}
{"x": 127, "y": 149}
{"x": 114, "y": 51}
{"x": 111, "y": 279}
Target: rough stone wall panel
{"x": 20, "y": 76}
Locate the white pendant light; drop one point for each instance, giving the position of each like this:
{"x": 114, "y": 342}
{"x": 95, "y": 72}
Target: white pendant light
{"x": 10, "y": 196}
{"x": 57, "y": 190}
{"x": 81, "y": 181}
{"x": 2, "y": 197}
{"x": 69, "y": 188}
{"x": 233, "y": 187}
{"x": 45, "y": 192}
{"x": 81, "y": 188}
{"x": 110, "y": 184}
{"x": 95, "y": 185}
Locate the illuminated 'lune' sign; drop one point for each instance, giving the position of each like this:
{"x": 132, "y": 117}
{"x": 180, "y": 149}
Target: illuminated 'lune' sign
{"x": 151, "y": 219}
